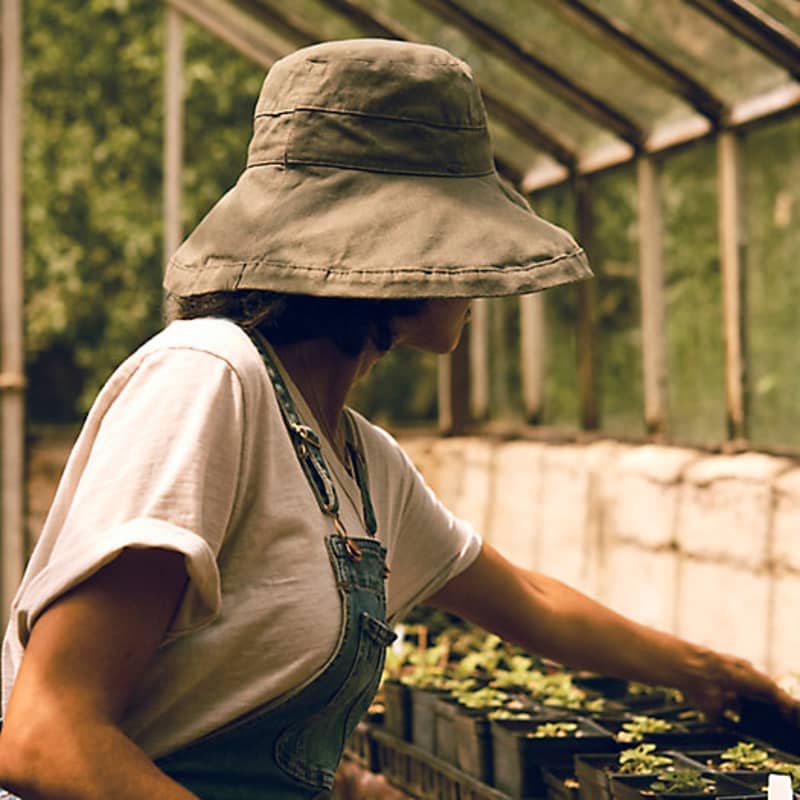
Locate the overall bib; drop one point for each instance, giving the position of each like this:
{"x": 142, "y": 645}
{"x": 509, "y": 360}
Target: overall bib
{"x": 289, "y": 750}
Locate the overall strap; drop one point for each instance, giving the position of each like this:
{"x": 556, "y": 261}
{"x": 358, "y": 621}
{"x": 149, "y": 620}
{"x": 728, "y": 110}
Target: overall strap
{"x": 354, "y": 452}
{"x": 308, "y": 448}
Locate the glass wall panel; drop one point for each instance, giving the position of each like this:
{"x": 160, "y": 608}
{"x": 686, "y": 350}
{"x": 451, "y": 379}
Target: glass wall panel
{"x": 615, "y": 261}
{"x": 505, "y": 393}
{"x": 772, "y": 169}
{"x": 560, "y": 390}
{"x": 694, "y": 326}
{"x": 400, "y": 389}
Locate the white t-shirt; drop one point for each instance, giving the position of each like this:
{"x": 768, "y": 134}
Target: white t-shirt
{"x": 185, "y": 449}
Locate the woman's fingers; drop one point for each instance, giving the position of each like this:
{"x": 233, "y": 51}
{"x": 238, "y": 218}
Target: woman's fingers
{"x": 727, "y": 679}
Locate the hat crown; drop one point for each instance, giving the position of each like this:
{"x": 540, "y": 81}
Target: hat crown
{"x": 375, "y": 77}
{"x": 376, "y": 105}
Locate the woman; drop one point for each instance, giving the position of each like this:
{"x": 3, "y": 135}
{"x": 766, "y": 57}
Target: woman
{"x": 205, "y": 614}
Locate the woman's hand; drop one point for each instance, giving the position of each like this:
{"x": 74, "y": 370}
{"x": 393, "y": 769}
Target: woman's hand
{"x": 717, "y": 682}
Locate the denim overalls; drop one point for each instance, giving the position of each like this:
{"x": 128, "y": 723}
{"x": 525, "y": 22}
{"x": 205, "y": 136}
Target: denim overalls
{"x": 290, "y": 749}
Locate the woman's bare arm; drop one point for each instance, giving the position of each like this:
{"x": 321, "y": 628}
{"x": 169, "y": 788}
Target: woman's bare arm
{"x": 86, "y": 653}
{"x": 551, "y": 619}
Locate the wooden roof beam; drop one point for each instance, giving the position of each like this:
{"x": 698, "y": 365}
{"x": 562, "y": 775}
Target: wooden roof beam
{"x": 615, "y": 36}
{"x": 547, "y": 76}
{"x": 761, "y": 31}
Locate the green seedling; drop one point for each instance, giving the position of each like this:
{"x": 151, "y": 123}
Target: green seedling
{"x": 559, "y": 730}
{"x": 480, "y": 698}
{"x": 642, "y": 760}
{"x": 744, "y": 755}
{"x": 683, "y": 781}
{"x": 640, "y": 726}
{"x": 509, "y": 713}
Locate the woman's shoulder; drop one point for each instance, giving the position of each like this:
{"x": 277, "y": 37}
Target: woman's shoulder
{"x": 211, "y": 338}
{"x": 208, "y": 352}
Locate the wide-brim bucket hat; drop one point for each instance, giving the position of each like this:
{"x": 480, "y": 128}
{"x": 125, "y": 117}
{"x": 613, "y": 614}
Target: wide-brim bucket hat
{"x": 371, "y": 174}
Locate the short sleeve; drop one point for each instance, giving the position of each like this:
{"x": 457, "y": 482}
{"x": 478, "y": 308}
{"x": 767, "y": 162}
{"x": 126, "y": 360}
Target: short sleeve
{"x": 157, "y": 465}
{"x": 427, "y": 544}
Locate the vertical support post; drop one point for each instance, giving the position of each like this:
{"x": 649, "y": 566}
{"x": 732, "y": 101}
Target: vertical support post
{"x": 532, "y": 353}
{"x": 12, "y": 366}
{"x": 500, "y": 366}
{"x": 651, "y": 289}
{"x": 587, "y": 314}
{"x": 454, "y": 389}
{"x": 479, "y": 359}
{"x": 173, "y": 131}
{"x": 733, "y": 248}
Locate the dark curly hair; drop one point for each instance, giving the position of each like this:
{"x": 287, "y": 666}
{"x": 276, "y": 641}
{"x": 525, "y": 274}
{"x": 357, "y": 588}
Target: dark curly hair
{"x": 290, "y": 318}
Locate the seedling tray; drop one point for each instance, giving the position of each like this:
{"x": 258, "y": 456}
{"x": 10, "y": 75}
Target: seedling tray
{"x": 595, "y": 771}
{"x": 519, "y": 756}
{"x": 756, "y": 782}
{"x": 397, "y": 709}
{"x": 711, "y": 759}
{"x": 637, "y": 787}
{"x": 682, "y": 736}
{"x": 474, "y": 744}
{"x": 763, "y": 721}
{"x": 445, "y": 711}
{"x": 423, "y": 717}
{"x": 560, "y": 783}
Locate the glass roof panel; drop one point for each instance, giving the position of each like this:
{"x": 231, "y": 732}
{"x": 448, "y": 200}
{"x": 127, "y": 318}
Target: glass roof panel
{"x": 316, "y": 15}
{"x": 700, "y": 46}
{"x": 729, "y": 67}
{"x": 787, "y": 12}
{"x": 581, "y": 59}
{"x": 513, "y": 150}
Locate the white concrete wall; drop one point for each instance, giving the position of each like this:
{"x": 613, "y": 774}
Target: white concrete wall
{"x": 706, "y": 546}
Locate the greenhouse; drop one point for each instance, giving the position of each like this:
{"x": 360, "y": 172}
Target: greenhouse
{"x": 636, "y": 436}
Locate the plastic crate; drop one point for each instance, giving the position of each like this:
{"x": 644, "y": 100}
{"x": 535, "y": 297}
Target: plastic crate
{"x": 422, "y": 775}
{"x": 361, "y": 748}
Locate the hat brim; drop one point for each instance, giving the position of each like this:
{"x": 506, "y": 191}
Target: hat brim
{"x": 327, "y": 231}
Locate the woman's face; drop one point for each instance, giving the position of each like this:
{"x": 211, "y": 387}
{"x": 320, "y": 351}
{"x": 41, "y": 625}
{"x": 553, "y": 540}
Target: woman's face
{"x": 436, "y": 328}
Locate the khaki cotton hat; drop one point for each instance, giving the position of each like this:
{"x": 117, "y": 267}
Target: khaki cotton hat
{"x": 370, "y": 174}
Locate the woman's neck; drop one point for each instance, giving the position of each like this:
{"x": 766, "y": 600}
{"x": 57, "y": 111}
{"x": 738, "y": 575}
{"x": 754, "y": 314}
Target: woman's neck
{"x": 324, "y": 375}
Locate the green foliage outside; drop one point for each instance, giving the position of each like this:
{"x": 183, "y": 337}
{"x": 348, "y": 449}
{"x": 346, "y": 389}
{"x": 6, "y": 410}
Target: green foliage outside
{"x": 560, "y": 400}
{"x": 93, "y": 142}
{"x": 92, "y": 179}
